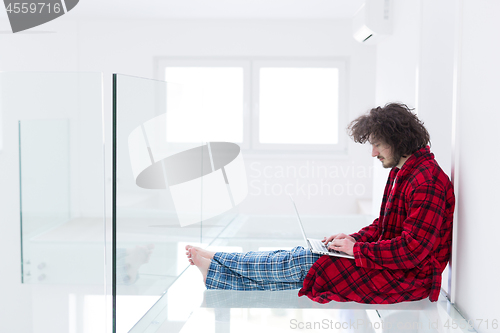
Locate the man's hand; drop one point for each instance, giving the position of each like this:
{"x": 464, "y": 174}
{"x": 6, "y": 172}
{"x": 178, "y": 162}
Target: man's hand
{"x": 340, "y": 242}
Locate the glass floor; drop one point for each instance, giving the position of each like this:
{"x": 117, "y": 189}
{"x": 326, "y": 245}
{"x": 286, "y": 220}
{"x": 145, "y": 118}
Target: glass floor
{"x": 188, "y": 307}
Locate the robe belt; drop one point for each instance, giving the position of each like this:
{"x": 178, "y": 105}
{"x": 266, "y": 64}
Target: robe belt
{"x": 436, "y": 280}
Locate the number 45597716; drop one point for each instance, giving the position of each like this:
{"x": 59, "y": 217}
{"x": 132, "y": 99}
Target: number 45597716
{"x": 40, "y": 7}
{"x": 477, "y": 323}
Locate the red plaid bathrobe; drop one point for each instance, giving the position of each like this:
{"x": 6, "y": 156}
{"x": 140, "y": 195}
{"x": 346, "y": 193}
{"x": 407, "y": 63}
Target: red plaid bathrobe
{"x": 401, "y": 255}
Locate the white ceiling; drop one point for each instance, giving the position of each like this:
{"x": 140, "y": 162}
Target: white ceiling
{"x": 236, "y": 9}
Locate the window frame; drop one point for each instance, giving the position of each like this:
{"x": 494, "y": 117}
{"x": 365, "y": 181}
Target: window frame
{"x": 251, "y": 67}
{"x": 342, "y": 110}
{"x": 198, "y": 62}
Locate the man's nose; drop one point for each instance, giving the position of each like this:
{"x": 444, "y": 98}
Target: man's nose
{"x": 374, "y": 152}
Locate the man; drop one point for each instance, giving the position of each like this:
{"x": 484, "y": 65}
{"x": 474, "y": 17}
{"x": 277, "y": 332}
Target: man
{"x": 399, "y": 257}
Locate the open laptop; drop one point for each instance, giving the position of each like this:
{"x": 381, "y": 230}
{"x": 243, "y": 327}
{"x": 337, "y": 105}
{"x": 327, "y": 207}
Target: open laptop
{"x": 316, "y": 245}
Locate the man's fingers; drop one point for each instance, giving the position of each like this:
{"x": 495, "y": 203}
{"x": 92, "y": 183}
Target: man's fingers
{"x": 335, "y": 246}
{"x": 338, "y": 242}
{"x": 342, "y": 245}
{"x": 344, "y": 236}
{"x": 329, "y": 239}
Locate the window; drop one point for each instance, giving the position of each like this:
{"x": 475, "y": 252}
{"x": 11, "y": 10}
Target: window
{"x": 207, "y": 103}
{"x": 263, "y": 105}
{"x": 301, "y": 102}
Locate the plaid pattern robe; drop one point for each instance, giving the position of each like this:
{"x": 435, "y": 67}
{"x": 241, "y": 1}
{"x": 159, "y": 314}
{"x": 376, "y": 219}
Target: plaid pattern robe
{"x": 401, "y": 255}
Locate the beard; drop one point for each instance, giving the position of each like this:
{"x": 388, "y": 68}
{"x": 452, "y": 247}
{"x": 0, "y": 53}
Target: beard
{"x": 389, "y": 163}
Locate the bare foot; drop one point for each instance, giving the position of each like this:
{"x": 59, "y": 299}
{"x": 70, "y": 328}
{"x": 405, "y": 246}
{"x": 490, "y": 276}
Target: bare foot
{"x": 188, "y": 254}
{"x": 200, "y": 261}
{"x": 134, "y": 259}
{"x": 204, "y": 253}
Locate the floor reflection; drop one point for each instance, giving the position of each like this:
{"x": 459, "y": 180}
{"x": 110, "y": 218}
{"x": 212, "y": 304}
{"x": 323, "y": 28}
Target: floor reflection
{"x": 189, "y": 308}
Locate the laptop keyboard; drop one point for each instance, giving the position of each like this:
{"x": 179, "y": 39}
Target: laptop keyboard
{"x": 320, "y": 246}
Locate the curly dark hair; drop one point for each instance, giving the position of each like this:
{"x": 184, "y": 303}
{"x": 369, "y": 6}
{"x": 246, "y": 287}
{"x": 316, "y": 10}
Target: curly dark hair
{"x": 393, "y": 124}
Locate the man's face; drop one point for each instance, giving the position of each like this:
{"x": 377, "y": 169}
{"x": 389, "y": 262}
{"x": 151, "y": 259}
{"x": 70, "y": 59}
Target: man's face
{"x": 383, "y": 152}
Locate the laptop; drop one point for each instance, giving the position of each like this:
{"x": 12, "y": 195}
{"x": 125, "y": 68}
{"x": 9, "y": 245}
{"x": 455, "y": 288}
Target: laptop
{"x": 316, "y": 245}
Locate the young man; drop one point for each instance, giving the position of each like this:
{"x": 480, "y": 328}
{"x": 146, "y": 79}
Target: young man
{"x": 399, "y": 257}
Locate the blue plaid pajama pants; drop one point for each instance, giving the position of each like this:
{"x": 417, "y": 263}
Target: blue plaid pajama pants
{"x": 263, "y": 270}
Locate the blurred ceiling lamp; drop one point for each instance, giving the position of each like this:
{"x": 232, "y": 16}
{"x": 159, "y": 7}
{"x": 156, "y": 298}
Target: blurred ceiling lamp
{"x": 373, "y": 21}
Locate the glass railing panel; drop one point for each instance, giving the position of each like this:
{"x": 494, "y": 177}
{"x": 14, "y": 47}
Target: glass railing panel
{"x": 154, "y": 219}
{"x": 58, "y": 119}
{"x": 61, "y": 174}
{"x": 45, "y": 192}
{"x": 168, "y": 193}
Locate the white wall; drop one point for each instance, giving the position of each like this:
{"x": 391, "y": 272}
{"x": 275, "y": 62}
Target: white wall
{"x": 477, "y": 290}
{"x": 397, "y": 65}
{"x": 435, "y": 76}
{"x": 415, "y": 66}
{"x": 436, "y": 81}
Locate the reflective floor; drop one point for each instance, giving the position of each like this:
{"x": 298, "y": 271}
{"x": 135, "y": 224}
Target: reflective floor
{"x": 60, "y": 306}
{"x": 188, "y": 307}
